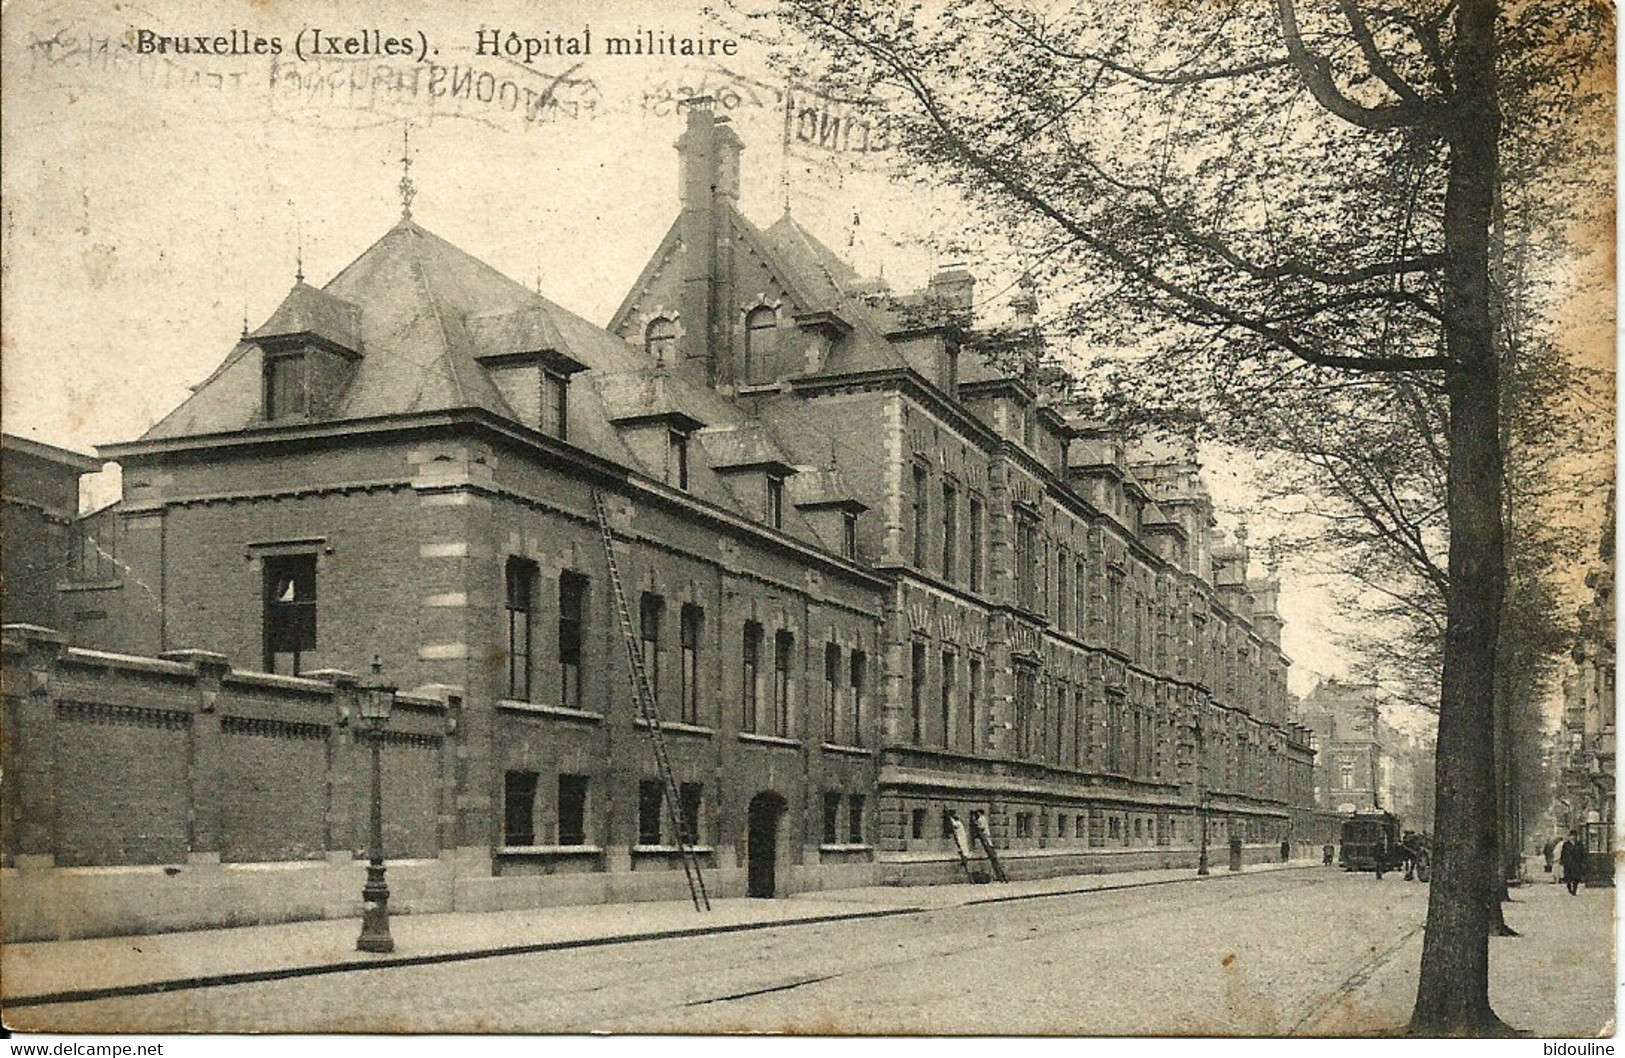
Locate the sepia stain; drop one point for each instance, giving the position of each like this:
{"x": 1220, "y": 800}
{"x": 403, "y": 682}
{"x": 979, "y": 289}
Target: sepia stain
{"x": 1253, "y": 1012}
{"x": 100, "y": 262}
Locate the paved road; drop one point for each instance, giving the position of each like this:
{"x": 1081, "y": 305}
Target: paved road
{"x": 1266, "y": 954}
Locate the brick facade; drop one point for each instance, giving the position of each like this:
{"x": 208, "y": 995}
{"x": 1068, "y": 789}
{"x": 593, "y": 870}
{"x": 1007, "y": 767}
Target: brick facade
{"x": 946, "y": 596}
{"x": 39, "y": 498}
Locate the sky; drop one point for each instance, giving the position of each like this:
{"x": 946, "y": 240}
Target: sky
{"x": 155, "y": 203}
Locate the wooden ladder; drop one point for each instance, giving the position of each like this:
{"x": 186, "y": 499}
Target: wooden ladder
{"x": 650, "y": 715}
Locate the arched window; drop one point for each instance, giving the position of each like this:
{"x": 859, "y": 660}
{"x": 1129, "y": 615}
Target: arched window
{"x": 660, "y": 339}
{"x": 761, "y": 342}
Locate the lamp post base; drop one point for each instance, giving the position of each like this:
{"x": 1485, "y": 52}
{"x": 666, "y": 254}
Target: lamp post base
{"x": 375, "y": 913}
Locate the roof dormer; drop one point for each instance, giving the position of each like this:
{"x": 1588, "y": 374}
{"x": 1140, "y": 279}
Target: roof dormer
{"x": 523, "y": 354}
{"x": 753, "y": 468}
{"x": 829, "y": 508}
{"x": 309, "y": 348}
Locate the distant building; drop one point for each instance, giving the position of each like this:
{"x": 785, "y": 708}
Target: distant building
{"x": 1407, "y": 776}
{"x": 40, "y": 490}
{"x": 1585, "y": 750}
{"x": 1344, "y": 721}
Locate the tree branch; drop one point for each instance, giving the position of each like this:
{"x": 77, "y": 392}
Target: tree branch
{"x": 1167, "y": 79}
{"x": 1374, "y": 57}
{"x": 980, "y": 162}
{"x": 1316, "y": 71}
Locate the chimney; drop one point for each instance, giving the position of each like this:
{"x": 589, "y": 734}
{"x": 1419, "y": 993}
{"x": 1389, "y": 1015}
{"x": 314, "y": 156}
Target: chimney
{"x": 708, "y": 151}
{"x": 1024, "y": 306}
{"x": 952, "y": 286}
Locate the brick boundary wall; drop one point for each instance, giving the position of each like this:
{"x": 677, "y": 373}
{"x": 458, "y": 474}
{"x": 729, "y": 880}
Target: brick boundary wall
{"x": 150, "y": 794}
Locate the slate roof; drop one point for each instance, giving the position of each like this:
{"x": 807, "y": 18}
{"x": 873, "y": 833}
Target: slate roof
{"x": 307, "y": 310}
{"x": 830, "y": 285}
{"x": 422, "y": 313}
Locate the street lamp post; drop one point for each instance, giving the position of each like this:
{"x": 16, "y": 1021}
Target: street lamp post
{"x": 376, "y": 704}
{"x": 1201, "y": 797}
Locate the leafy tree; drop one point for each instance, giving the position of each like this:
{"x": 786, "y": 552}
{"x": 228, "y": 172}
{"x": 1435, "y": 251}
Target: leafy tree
{"x": 1256, "y": 201}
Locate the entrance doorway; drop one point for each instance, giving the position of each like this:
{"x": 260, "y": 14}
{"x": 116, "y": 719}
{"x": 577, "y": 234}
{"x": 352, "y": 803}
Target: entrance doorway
{"x": 762, "y": 853}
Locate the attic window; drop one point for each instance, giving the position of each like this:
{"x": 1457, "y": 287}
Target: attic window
{"x": 660, "y": 339}
{"x": 849, "y": 534}
{"x": 555, "y": 405}
{"x": 287, "y": 385}
{"x": 775, "y": 501}
{"x": 761, "y": 333}
{"x": 950, "y": 368}
{"x": 677, "y": 465}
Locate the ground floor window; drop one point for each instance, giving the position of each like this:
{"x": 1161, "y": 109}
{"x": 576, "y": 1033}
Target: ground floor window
{"x": 832, "y": 818}
{"x": 854, "y": 819}
{"x": 519, "y": 808}
{"x": 572, "y": 809}
{"x": 651, "y": 795}
{"x": 690, "y": 798}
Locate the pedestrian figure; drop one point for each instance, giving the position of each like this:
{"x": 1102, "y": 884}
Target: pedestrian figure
{"x": 1572, "y": 859}
{"x": 1326, "y": 851}
{"x": 1549, "y": 850}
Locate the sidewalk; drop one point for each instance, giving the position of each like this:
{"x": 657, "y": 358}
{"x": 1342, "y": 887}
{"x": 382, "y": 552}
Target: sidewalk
{"x": 57, "y": 971}
{"x": 1554, "y": 980}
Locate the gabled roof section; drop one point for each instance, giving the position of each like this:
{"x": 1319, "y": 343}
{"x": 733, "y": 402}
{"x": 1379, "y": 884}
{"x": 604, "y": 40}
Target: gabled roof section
{"x": 424, "y": 312}
{"x": 651, "y": 271}
{"x": 744, "y": 446}
{"x": 814, "y": 266}
{"x": 815, "y": 488}
{"x": 831, "y": 286}
{"x": 308, "y": 311}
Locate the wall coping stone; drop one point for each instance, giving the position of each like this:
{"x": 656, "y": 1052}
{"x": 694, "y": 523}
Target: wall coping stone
{"x": 272, "y": 679}
{"x": 35, "y": 633}
{"x": 769, "y": 740}
{"x": 82, "y": 656}
{"x": 513, "y": 705}
{"x": 201, "y": 659}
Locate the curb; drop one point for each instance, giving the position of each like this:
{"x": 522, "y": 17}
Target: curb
{"x": 1131, "y": 885}
{"x": 181, "y": 984}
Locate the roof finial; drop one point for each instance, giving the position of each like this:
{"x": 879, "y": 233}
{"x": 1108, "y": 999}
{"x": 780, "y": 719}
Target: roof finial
{"x": 298, "y": 251}
{"x": 245, "y": 319}
{"x": 408, "y": 189}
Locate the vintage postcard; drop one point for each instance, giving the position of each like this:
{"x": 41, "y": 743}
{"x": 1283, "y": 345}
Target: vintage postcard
{"x": 828, "y": 518}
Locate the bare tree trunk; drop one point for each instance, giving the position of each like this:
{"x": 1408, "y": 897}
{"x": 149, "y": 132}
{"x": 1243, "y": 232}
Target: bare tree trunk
{"x": 1504, "y": 846}
{"x": 1452, "y": 997}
